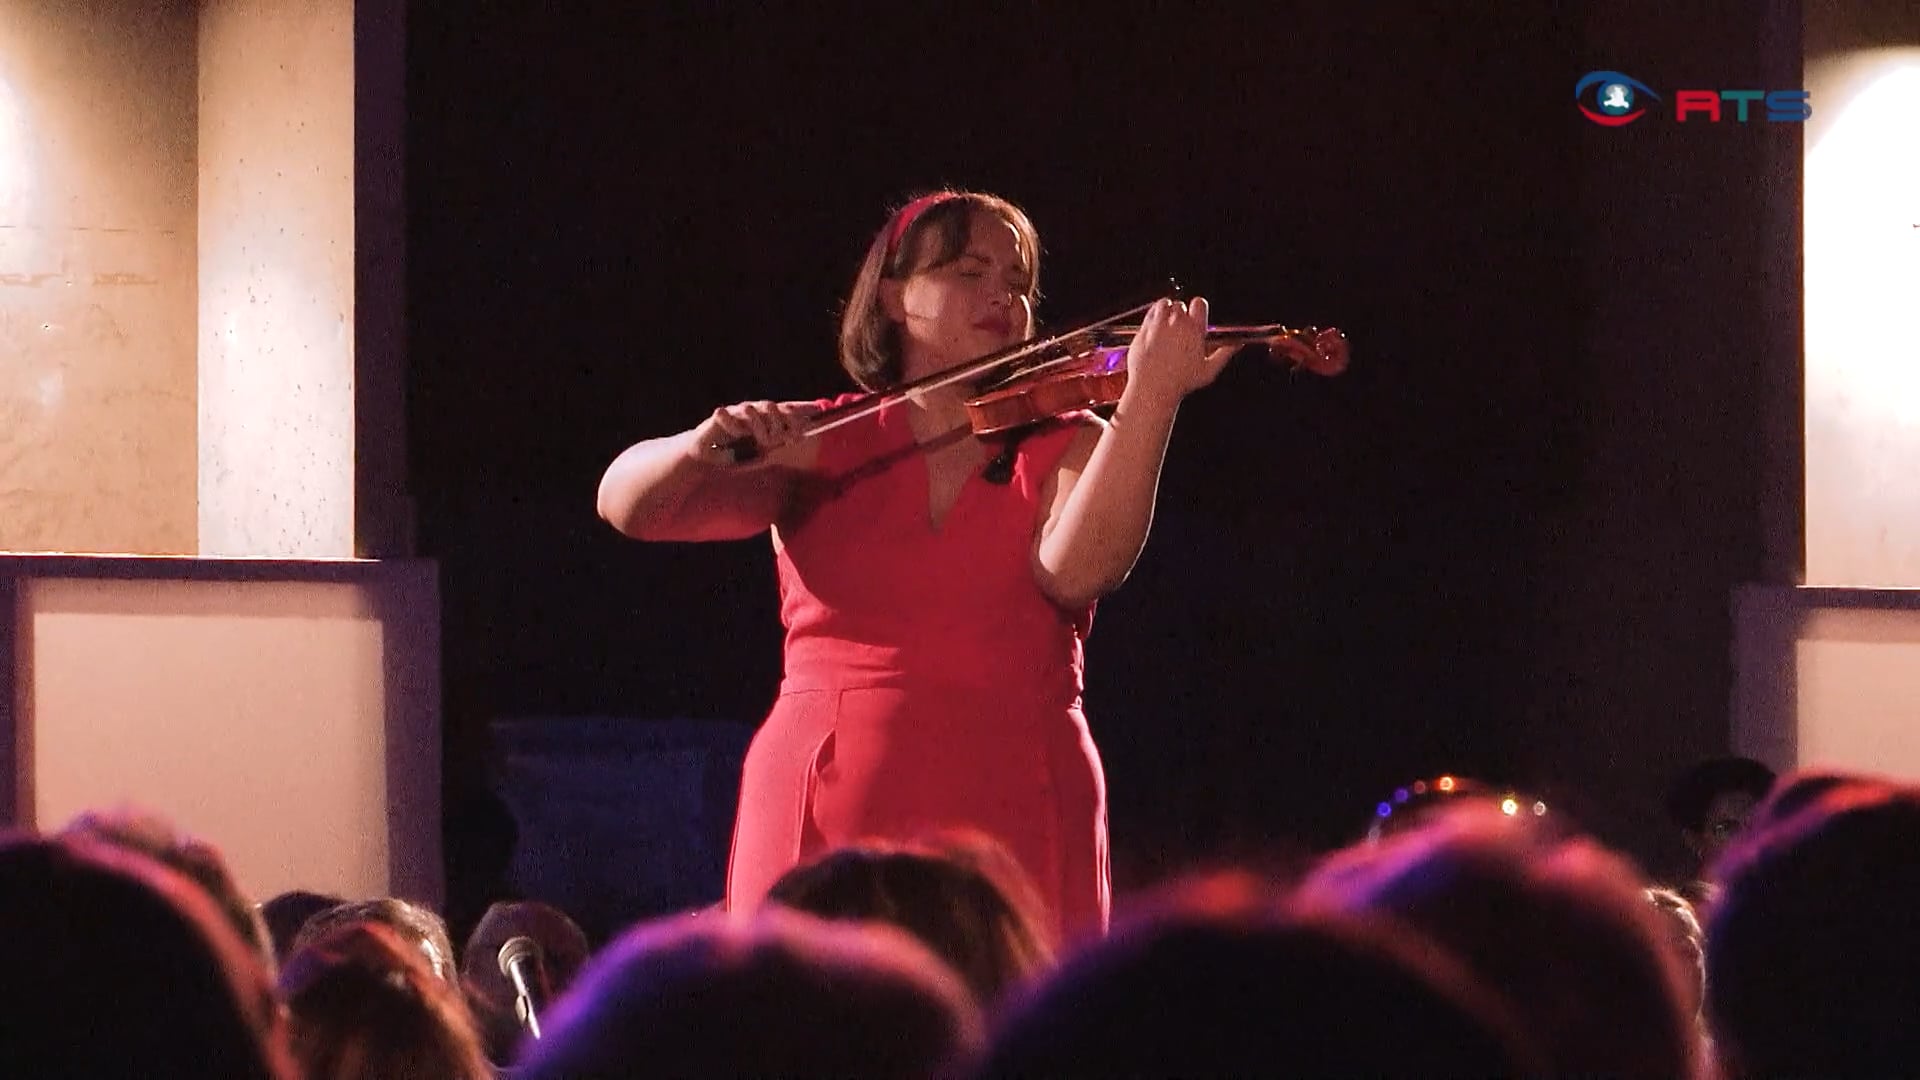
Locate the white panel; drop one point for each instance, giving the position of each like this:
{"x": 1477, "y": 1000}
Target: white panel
{"x": 276, "y": 235}
{"x": 258, "y": 714}
{"x": 1828, "y": 678}
{"x": 1859, "y": 691}
{"x": 1862, "y": 219}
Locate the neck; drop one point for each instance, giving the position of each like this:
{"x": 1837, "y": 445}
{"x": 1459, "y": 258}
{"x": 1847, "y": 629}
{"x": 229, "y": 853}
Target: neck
{"x": 938, "y": 411}
{"x": 943, "y": 402}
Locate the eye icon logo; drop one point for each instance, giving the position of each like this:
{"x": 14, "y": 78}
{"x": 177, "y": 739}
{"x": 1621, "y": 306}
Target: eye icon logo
{"x": 1615, "y": 97}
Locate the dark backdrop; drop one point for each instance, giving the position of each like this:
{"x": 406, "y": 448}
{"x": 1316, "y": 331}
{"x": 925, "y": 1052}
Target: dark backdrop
{"x": 1500, "y": 545}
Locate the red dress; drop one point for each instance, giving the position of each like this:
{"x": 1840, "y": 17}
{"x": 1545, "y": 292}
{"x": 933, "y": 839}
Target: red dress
{"x": 929, "y": 683}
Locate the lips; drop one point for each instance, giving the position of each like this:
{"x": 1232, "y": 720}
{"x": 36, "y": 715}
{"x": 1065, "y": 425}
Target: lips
{"x": 1000, "y": 327}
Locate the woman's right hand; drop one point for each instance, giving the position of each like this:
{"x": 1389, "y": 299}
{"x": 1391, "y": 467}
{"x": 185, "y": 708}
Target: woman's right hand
{"x": 769, "y": 424}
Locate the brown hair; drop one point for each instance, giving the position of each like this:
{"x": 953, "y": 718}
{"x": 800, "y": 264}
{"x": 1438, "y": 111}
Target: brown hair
{"x": 1812, "y": 942}
{"x": 817, "y": 998}
{"x": 1211, "y": 975}
{"x": 419, "y": 926}
{"x": 147, "y": 833}
{"x": 951, "y": 901}
{"x": 869, "y": 340}
{"x": 1559, "y": 925}
{"x": 122, "y": 964}
{"x": 365, "y": 1003}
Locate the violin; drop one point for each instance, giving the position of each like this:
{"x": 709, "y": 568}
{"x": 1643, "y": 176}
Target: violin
{"x": 1092, "y": 373}
{"x": 1076, "y": 369}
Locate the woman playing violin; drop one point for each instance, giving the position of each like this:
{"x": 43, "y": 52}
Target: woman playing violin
{"x": 935, "y": 606}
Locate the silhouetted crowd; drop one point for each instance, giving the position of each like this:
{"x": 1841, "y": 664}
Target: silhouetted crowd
{"x": 1464, "y": 936}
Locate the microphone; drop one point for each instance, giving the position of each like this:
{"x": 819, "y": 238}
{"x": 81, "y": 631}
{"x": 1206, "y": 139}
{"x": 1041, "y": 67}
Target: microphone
{"x": 520, "y": 963}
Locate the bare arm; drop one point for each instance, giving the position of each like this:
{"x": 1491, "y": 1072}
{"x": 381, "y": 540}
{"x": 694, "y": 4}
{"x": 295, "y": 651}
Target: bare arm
{"x": 683, "y": 487}
{"x": 1096, "y": 521}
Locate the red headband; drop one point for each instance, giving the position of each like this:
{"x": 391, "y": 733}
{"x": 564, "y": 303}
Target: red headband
{"x": 909, "y": 214}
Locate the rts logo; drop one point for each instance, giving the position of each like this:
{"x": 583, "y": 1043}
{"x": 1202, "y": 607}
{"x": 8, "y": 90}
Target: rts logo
{"x": 1614, "y": 97}
{"x": 1616, "y": 101}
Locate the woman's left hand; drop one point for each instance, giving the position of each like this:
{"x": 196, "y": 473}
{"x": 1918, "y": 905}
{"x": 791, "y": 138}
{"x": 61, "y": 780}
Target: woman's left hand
{"x": 1167, "y": 359}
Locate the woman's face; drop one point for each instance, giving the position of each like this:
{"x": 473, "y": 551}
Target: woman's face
{"x": 975, "y": 304}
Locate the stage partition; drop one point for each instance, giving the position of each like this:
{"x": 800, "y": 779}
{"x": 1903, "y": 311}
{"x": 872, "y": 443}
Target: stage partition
{"x": 1828, "y": 658}
{"x": 210, "y": 608}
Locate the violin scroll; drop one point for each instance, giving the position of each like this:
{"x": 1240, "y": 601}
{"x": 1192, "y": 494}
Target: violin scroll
{"x": 1321, "y": 351}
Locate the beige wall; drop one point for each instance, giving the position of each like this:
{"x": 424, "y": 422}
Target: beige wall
{"x": 1863, "y": 341}
{"x": 292, "y": 722}
{"x": 97, "y": 415}
{"x": 1862, "y": 260}
{"x": 276, "y": 301}
{"x": 177, "y": 347}
{"x": 177, "y": 261}
{"x": 1828, "y": 675}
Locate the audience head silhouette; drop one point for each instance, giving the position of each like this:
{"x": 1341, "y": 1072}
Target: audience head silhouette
{"x": 419, "y": 926}
{"x": 200, "y": 862}
{"x": 365, "y": 1004}
{"x": 779, "y": 994}
{"x": 123, "y": 967}
{"x": 1559, "y": 926}
{"x": 563, "y": 951}
{"x": 1814, "y": 943}
{"x": 949, "y": 902}
{"x": 1213, "y": 980}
